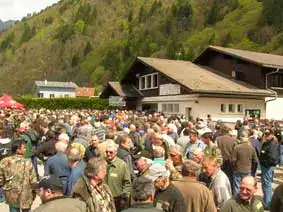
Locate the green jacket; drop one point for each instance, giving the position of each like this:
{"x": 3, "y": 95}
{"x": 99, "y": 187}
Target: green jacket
{"x": 147, "y": 207}
{"x": 118, "y": 177}
{"x": 235, "y": 204}
{"x": 82, "y": 190}
{"x": 62, "y": 204}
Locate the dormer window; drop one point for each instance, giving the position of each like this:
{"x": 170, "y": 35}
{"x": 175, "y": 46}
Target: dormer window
{"x": 149, "y": 81}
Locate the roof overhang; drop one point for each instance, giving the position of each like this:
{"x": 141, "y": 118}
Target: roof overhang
{"x": 239, "y": 57}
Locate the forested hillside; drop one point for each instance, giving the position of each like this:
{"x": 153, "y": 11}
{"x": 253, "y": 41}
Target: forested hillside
{"x": 92, "y": 41}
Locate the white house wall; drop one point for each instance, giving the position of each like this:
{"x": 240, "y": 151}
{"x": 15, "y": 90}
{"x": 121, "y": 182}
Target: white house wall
{"x": 212, "y": 106}
{"x": 58, "y": 92}
{"x": 201, "y": 106}
{"x": 274, "y": 109}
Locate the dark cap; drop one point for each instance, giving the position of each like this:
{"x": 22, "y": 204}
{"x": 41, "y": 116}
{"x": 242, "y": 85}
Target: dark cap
{"x": 52, "y": 182}
{"x": 268, "y": 132}
{"x": 193, "y": 131}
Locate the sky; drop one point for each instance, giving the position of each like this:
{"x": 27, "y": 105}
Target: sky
{"x": 17, "y": 9}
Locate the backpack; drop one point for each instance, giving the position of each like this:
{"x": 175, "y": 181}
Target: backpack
{"x": 33, "y": 136}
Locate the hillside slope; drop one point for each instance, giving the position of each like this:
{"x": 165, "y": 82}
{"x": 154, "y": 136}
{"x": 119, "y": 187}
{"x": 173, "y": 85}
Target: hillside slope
{"x": 92, "y": 41}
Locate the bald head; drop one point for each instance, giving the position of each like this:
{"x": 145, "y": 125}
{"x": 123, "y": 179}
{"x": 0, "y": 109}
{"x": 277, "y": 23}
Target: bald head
{"x": 198, "y": 155}
{"x": 74, "y": 155}
{"x": 133, "y": 128}
{"x": 249, "y": 180}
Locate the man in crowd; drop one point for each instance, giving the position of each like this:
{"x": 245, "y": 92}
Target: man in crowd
{"x": 124, "y": 153}
{"x": 99, "y": 129}
{"x": 198, "y": 155}
{"x": 84, "y": 133}
{"x": 269, "y": 157}
{"x": 184, "y": 139}
{"x": 167, "y": 196}
{"x": 120, "y": 132}
{"x": 219, "y": 184}
{"x": 47, "y": 147}
{"x": 92, "y": 149}
{"x": 77, "y": 168}
{"x": 143, "y": 196}
{"x": 243, "y": 157}
{"x": 91, "y": 188}
{"x": 16, "y": 178}
{"x": 50, "y": 190}
{"x": 142, "y": 166}
{"x": 47, "y": 134}
{"x": 58, "y": 165}
{"x": 156, "y": 140}
{"x": 172, "y": 133}
{"x": 63, "y": 137}
{"x": 197, "y": 197}
{"x": 135, "y": 139}
{"x": 245, "y": 201}
{"x": 174, "y": 163}
{"x": 226, "y": 144}
{"x": 193, "y": 144}
{"x": 118, "y": 177}
{"x": 211, "y": 148}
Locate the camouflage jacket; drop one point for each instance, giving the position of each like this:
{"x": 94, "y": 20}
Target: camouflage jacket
{"x": 16, "y": 177}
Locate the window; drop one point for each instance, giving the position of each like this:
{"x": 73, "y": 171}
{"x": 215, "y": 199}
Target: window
{"x": 40, "y": 95}
{"x": 142, "y": 82}
{"x": 231, "y": 108}
{"x": 170, "y": 108}
{"x": 149, "y": 81}
{"x": 155, "y": 80}
{"x": 176, "y": 108}
{"x": 239, "y": 108}
{"x": 52, "y": 95}
{"x": 66, "y": 95}
{"x": 223, "y": 108}
{"x": 163, "y": 107}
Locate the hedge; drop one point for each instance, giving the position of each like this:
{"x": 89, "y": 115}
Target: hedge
{"x": 64, "y": 103}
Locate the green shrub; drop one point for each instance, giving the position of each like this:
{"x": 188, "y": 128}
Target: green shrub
{"x": 64, "y": 103}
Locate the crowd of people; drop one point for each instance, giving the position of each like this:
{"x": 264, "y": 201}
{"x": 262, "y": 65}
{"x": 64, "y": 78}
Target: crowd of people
{"x": 106, "y": 161}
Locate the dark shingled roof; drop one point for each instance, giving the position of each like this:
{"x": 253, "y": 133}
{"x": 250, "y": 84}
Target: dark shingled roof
{"x": 56, "y": 84}
{"x": 262, "y": 59}
{"x": 202, "y": 79}
{"x": 125, "y": 90}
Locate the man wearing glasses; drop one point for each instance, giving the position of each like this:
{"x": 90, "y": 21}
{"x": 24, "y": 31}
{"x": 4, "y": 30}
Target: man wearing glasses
{"x": 118, "y": 177}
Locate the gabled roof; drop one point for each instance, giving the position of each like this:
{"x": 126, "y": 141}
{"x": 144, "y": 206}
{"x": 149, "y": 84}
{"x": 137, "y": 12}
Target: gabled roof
{"x": 201, "y": 79}
{"x": 125, "y": 90}
{"x": 262, "y": 59}
{"x": 55, "y": 84}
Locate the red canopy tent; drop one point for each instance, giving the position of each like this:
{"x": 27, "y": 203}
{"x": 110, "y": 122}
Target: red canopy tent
{"x": 7, "y": 102}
